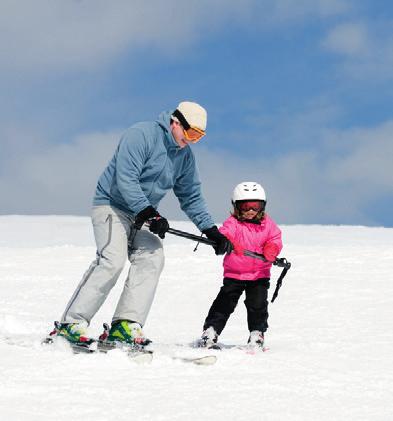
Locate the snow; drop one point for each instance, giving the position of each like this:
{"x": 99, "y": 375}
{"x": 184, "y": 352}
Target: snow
{"x": 330, "y": 333}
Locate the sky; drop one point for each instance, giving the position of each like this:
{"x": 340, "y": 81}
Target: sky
{"x": 299, "y": 96}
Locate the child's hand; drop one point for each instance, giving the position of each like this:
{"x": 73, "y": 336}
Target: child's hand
{"x": 270, "y": 251}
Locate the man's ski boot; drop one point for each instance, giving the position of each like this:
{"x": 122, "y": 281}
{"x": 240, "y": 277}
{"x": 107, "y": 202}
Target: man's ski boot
{"x": 75, "y": 335}
{"x": 123, "y": 334}
{"x": 256, "y": 339}
{"x": 209, "y": 339}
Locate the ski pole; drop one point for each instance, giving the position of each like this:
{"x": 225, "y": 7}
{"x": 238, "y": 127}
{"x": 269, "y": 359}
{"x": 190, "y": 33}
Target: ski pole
{"x": 279, "y": 262}
{"x": 192, "y": 237}
{"x": 279, "y": 281}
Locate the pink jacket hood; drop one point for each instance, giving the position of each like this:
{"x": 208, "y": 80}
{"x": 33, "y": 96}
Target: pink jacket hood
{"x": 251, "y": 237}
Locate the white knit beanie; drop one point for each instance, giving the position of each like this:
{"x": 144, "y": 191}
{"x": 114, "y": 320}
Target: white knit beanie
{"x": 195, "y": 115}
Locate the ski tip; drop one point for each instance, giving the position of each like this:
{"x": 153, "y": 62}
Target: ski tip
{"x": 141, "y": 357}
{"x": 206, "y": 360}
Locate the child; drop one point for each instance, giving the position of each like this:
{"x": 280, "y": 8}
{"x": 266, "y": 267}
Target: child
{"x": 248, "y": 228}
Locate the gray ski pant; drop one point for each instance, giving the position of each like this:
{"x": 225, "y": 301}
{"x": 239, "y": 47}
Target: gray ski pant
{"x": 116, "y": 240}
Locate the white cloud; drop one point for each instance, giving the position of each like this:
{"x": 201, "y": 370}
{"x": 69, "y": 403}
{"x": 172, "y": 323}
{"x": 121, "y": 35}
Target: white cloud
{"x": 349, "y": 39}
{"x": 47, "y": 35}
{"x": 366, "y": 49}
{"x": 289, "y": 10}
{"x": 368, "y": 166}
{"x": 54, "y": 33}
{"x": 331, "y": 183}
{"x": 39, "y": 177}
{"x": 328, "y": 182}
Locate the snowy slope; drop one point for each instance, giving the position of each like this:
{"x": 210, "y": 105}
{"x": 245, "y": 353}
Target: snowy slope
{"x": 330, "y": 332}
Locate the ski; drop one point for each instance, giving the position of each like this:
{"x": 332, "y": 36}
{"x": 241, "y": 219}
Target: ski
{"x": 88, "y": 346}
{"x": 253, "y": 350}
{"x": 204, "y": 360}
{"x": 137, "y": 354}
{"x": 140, "y": 357}
{"x": 215, "y": 347}
{"x": 92, "y": 346}
{"x": 199, "y": 343}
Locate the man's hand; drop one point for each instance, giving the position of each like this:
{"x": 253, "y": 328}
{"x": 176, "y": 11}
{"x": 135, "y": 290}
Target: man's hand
{"x": 159, "y": 225}
{"x": 223, "y": 245}
{"x": 144, "y": 215}
{"x": 237, "y": 247}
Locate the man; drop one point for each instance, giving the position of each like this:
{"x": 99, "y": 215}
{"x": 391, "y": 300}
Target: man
{"x": 151, "y": 158}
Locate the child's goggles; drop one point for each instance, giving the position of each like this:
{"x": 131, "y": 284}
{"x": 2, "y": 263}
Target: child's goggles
{"x": 191, "y": 133}
{"x": 246, "y": 206}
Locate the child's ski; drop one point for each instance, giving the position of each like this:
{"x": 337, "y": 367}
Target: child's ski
{"x": 253, "y": 350}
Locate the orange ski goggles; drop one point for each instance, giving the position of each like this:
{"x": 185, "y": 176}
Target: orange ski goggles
{"x": 193, "y": 134}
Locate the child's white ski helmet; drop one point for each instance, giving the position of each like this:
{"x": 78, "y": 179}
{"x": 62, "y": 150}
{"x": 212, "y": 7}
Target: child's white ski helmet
{"x": 248, "y": 190}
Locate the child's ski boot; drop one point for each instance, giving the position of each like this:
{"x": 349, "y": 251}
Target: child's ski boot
{"x": 256, "y": 339}
{"x": 209, "y": 339}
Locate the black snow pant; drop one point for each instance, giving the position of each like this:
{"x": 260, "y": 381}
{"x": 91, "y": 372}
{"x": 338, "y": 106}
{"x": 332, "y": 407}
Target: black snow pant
{"x": 228, "y": 297}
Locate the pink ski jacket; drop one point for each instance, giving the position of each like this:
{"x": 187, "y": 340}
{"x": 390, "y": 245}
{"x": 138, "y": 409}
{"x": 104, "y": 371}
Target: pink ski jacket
{"x": 251, "y": 237}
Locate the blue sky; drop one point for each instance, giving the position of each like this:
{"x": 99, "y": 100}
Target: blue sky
{"x": 299, "y": 97}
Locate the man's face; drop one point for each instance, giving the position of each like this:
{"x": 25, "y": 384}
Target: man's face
{"x": 178, "y": 134}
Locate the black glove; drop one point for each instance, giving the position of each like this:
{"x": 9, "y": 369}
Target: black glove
{"x": 144, "y": 215}
{"x": 159, "y": 225}
{"x": 223, "y": 245}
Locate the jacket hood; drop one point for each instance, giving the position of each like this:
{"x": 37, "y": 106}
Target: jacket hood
{"x": 164, "y": 120}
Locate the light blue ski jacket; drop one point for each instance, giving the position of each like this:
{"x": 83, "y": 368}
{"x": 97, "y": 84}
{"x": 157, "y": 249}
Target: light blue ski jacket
{"x": 147, "y": 163}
